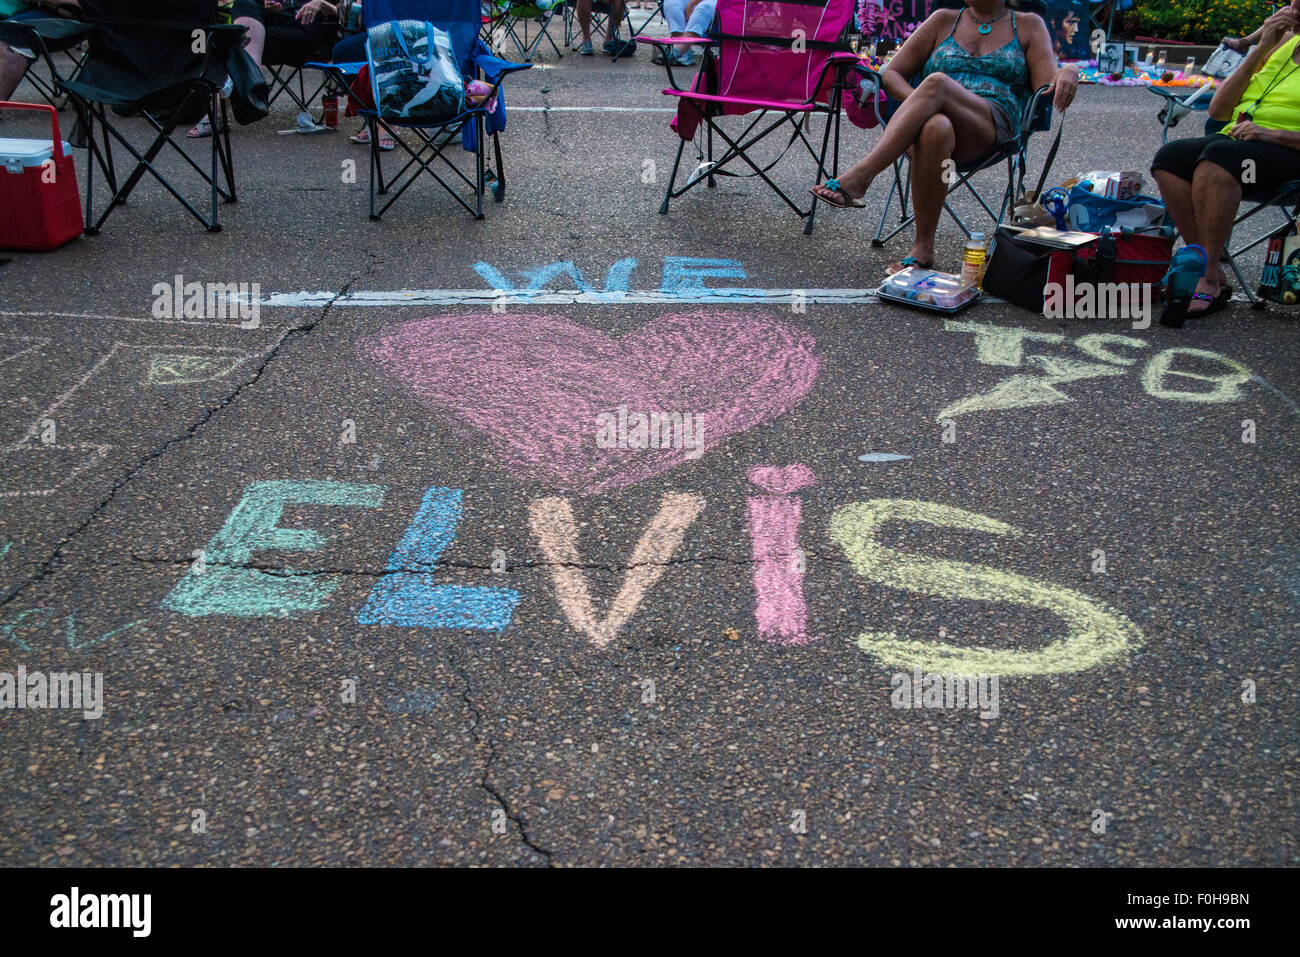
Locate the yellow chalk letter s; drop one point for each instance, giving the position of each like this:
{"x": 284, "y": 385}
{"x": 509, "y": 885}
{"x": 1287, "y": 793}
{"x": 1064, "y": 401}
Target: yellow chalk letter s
{"x": 1095, "y": 634}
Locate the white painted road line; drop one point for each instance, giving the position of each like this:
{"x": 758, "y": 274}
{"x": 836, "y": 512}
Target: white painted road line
{"x": 568, "y": 297}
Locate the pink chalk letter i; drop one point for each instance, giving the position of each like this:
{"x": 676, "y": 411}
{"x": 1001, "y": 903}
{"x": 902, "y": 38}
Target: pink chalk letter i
{"x": 774, "y": 520}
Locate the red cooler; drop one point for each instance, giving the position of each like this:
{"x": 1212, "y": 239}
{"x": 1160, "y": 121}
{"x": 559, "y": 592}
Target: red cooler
{"x": 40, "y": 205}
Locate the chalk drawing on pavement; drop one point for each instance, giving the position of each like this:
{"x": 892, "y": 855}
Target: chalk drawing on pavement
{"x": 413, "y": 599}
{"x": 32, "y": 624}
{"x": 186, "y": 369}
{"x": 557, "y": 536}
{"x": 779, "y": 562}
{"x": 1177, "y": 375}
{"x": 683, "y": 280}
{"x": 13, "y": 346}
{"x": 224, "y": 584}
{"x": 530, "y": 389}
{"x": 1095, "y": 634}
{"x": 59, "y": 462}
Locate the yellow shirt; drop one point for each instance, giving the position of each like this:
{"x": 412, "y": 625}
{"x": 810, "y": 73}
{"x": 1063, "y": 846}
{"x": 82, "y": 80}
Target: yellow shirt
{"x": 1280, "y": 108}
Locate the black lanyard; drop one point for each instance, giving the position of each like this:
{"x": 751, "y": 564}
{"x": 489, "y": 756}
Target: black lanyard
{"x": 1277, "y": 80}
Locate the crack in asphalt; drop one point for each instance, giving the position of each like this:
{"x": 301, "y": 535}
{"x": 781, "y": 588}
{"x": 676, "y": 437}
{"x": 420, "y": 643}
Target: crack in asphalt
{"x": 432, "y": 568}
{"x": 48, "y": 566}
{"x": 485, "y": 782}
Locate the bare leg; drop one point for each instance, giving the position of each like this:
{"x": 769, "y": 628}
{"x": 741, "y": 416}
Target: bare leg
{"x": 1216, "y": 194}
{"x": 934, "y": 145}
{"x": 12, "y": 70}
{"x": 616, "y": 14}
{"x": 254, "y": 39}
{"x": 584, "y": 19}
{"x": 1177, "y": 194}
{"x": 970, "y": 116}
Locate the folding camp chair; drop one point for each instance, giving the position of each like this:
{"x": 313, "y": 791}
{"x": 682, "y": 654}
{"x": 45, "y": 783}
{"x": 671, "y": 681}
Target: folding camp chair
{"x": 1013, "y": 152}
{"x": 1287, "y": 201}
{"x": 600, "y": 15}
{"x": 1178, "y": 104}
{"x": 142, "y": 61}
{"x": 786, "y": 59}
{"x": 461, "y": 19}
{"x": 507, "y": 19}
{"x": 46, "y": 38}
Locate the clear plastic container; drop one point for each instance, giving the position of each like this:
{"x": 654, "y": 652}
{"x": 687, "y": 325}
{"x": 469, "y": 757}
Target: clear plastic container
{"x": 926, "y": 287}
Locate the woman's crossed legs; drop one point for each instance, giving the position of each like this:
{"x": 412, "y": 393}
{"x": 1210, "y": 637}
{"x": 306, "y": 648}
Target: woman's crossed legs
{"x": 941, "y": 120}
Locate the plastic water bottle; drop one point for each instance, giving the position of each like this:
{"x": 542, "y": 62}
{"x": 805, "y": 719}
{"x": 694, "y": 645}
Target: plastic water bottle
{"x": 974, "y": 257}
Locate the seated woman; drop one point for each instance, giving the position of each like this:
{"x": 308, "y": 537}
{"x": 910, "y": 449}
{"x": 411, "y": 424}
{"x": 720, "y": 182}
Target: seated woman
{"x": 979, "y": 67}
{"x": 1203, "y": 181}
{"x": 352, "y": 49}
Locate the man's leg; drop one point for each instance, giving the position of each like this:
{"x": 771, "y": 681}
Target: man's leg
{"x": 970, "y": 116}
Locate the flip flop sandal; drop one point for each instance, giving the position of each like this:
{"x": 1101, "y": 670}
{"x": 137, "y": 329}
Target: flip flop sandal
{"x": 200, "y": 130}
{"x": 1216, "y": 303}
{"x": 1175, "y": 314}
{"x": 363, "y": 139}
{"x": 907, "y": 263}
{"x": 849, "y": 202}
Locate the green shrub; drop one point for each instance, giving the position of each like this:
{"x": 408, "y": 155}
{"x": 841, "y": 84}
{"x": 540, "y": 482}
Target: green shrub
{"x": 1201, "y": 21}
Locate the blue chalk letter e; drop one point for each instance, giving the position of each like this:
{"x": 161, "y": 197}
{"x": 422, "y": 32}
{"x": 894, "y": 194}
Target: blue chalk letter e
{"x": 411, "y": 599}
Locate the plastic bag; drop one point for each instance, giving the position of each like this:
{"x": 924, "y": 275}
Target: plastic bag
{"x": 414, "y": 76}
{"x": 1091, "y": 213}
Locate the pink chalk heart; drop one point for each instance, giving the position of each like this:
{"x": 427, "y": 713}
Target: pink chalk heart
{"x": 557, "y": 402}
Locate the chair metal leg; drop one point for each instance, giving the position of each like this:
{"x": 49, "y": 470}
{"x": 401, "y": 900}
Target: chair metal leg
{"x": 214, "y": 115}
{"x": 479, "y": 130}
{"x": 499, "y": 191}
{"x": 677, "y": 162}
{"x": 712, "y": 180}
{"x": 371, "y": 125}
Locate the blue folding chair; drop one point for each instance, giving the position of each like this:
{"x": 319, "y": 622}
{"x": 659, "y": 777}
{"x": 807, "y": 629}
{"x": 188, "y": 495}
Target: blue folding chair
{"x": 1178, "y": 103}
{"x": 461, "y": 19}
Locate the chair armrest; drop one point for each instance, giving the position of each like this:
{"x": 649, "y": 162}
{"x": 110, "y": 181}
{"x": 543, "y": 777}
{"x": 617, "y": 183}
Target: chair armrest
{"x": 37, "y": 31}
{"x": 495, "y": 68}
{"x": 677, "y": 41}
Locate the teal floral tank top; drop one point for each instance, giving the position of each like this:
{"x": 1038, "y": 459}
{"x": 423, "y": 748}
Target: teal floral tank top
{"x": 1001, "y": 75}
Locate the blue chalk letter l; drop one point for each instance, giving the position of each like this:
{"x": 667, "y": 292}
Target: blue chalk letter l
{"x": 411, "y": 599}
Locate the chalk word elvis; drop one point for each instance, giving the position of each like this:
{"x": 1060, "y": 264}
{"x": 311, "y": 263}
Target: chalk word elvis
{"x": 652, "y": 430}
{"x": 409, "y": 594}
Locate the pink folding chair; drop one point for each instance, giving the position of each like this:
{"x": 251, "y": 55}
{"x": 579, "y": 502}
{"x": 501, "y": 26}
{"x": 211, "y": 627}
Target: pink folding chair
{"x": 784, "y": 60}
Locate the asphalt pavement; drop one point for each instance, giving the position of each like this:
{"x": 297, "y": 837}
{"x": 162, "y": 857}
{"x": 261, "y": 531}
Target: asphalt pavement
{"x": 451, "y": 627}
